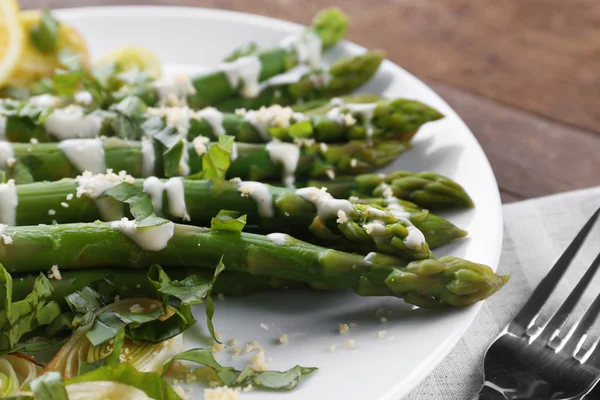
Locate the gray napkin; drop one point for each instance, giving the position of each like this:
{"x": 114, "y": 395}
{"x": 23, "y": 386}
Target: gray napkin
{"x": 536, "y": 232}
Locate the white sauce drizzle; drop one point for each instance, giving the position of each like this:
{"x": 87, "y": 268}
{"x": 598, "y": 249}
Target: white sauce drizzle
{"x": 84, "y": 154}
{"x": 154, "y": 188}
{"x": 176, "y": 117}
{"x": 148, "y": 157}
{"x": 176, "y": 198}
{"x": 6, "y": 153}
{"x": 174, "y": 92}
{"x": 307, "y": 45}
{"x": 93, "y": 185}
{"x": 44, "y": 100}
{"x": 364, "y": 110}
{"x": 245, "y": 70}
{"x": 151, "y": 238}
{"x": 234, "y": 152}
{"x": 83, "y": 97}
{"x": 415, "y": 237}
{"x": 184, "y": 166}
{"x": 8, "y": 203}
{"x": 71, "y": 122}
{"x": 287, "y": 78}
{"x": 273, "y": 116}
{"x": 214, "y": 118}
{"x": 327, "y": 206}
{"x": 2, "y": 127}
{"x": 200, "y": 144}
{"x": 278, "y": 238}
{"x": 369, "y": 257}
{"x": 288, "y": 154}
{"x": 261, "y": 195}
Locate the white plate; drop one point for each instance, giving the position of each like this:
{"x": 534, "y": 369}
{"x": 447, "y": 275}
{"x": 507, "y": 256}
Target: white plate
{"x": 415, "y": 340}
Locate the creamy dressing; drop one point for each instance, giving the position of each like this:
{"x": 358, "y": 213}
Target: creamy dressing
{"x": 267, "y": 117}
{"x": 200, "y": 144}
{"x": 261, "y": 195}
{"x": 278, "y": 238}
{"x": 93, "y": 186}
{"x": 71, "y": 122}
{"x": 366, "y": 112}
{"x": 327, "y": 206}
{"x": 6, "y": 153}
{"x": 396, "y": 209}
{"x": 214, "y": 118}
{"x": 154, "y": 188}
{"x": 44, "y": 100}
{"x": 288, "y": 154}
{"x": 307, "y": 46}
{"x": 245, "y": 70}
{"x": 148, "y": 157}
{"x": 287, "y": 78}
{"x": 84, "y": 154}
{"x": 369, "y": 257}
{"x": 2, "y": 127}
{"x": 175, "y": 117}
{"x": 374, "y": 213}
{"x": 83, "y": 97}
{"x": 174, "y": 92}
{"x": 176, "y": 198}
{"x": 184, "y": 166}
{"x": 151, "y": 238}
{"x": 8, "y": 203}
{"x": 415, "y": 237}
{"x": 234, "y": 152}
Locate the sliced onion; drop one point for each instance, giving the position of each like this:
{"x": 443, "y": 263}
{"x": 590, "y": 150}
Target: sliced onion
{"x": 16, "y": 370}
{"x": 104, "y": 390}
{"x": 144, "y": 357}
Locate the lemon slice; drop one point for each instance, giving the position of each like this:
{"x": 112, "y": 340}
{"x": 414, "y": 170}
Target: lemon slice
{"x": 11, "y": 38}
{"x": 134, "y": 57}
{"x": 34, "y": 64}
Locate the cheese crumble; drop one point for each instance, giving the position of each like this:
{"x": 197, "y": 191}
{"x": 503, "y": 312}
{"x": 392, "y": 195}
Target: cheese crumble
{"x": 344, "y": 328}
{"x": 7, "y": 239}
{"x": 283, "y": 338}
{"x": 55, "y": 273}
{"x": 136, "y": 308}
{"x": 221, "y": 393}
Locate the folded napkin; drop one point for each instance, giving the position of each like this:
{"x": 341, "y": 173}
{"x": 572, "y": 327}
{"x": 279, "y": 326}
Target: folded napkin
{"x": 536, "y": 232}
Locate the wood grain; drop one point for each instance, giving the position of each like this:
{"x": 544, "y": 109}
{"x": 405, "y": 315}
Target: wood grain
{"x": 523, "y": 74}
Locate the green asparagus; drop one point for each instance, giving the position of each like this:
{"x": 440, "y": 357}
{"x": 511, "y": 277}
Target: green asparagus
{"x": 330, "y": 25}
{"x": 27, "y": 162}
{"x": 426, "y": 189}
{"x": 308, "y": 213}
{"x": 427, "y": 283}
{"x": 340, "y": 78}
{"x": 130, "y": 119}
{"x": 134, "y": 283}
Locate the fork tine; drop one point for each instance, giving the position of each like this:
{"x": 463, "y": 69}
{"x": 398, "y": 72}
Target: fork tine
{"x": 582, "y": 327}
{"x": 558, "y": 320}
{"x": 544, "y": 289}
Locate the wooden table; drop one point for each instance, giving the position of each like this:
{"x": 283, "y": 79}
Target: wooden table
{"x": 524, "y": 75}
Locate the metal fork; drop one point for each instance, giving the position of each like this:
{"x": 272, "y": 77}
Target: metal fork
{"x": 530, "y": 360}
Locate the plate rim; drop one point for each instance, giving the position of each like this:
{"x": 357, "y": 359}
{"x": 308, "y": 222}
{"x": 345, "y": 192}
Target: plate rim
{"x": 412, "y": 380}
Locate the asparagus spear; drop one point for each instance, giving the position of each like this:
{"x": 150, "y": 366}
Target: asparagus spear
{"x": 396, "y": 119}
{"x": 428, "y": 283}
{"x": 330, "y": 25}
{"x": 426, "y": 189}
{"x": 134, "y": 283}
{"x": 242, "y": 77}
{"x": 437, "y": 230}
{"x": 340, "y": 78}
{"x": 309, "y": 213}
{"x": 272, "y": 161}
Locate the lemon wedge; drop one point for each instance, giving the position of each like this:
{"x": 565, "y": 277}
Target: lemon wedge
{"x": 134, "y": 57}
{"x": 34, "y": 64}
{"x": 11, "y": 39}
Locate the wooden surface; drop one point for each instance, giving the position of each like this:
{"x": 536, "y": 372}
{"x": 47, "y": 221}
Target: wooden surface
{"x": 523, "y": 74}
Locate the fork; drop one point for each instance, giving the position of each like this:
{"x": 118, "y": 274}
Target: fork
{"x": 531, "y": 360}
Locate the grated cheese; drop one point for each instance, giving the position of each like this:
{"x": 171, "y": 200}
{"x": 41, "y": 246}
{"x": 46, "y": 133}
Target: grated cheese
{"x": 283, "y": 338}
{"x": 344, "y": 328}
{"x": 350, "y": 343}
{"x": 7, "y": 239}
{"x": 221, "y": 393}
{"x": 55, "y": 273}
